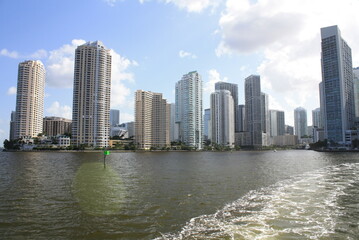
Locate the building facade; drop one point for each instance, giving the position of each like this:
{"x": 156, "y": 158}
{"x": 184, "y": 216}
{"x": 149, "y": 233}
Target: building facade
{"x": 356, "y": 92}
{"x": 277, "y": 123}
{"x": 300, "y": 122}
{"x": 114, "y": 117}
{"x": 207, "y": 124}
{"x": 189, "y": 110}
{"x": 54, "y": 126}
{"x": 233, "y": 89}
{"x": 12, "y": 126}
{"x": 222, "y": 118}
{"x": 91, "y": 95}
{"x": 253, "y": 100}
{"x": 265, "y": 113}
{"x": 152, "y": 120}
{"x": 241, "y": 118}
{"x": 317, "y": 118}
{"x": 30, "y": 99}
{"x": 337, "y": 79}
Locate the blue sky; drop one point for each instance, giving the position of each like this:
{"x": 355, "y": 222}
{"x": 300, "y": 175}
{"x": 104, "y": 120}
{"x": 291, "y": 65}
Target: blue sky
{"x": 155, "y": 42}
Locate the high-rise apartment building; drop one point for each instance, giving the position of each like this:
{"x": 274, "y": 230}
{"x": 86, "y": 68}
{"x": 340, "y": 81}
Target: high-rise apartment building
{"x": 337, "y": 79}
{"x": 265, "y": 113}
{"x": 222, "y": 118}
{"x": 300, "y": 122}
{"x": 173, "y": 130}
{"x": 241, "y": 118}
{"x": 289, "y": 130}
{"x": 317, "y": 118}
{"x": 233, "y": 89}
{"x": 253, "y": 106}
{"x": 207, "y": 124}
{"x": 152, "y": 120}
{"x": 54, "y": 126}
{"x": 30, "y": 99}
{"x": 189, "y": 109}
{"x": 91, "y": 98}
{"x": 12, "y": 126}
{"x": 114, "y": 117}
{"x": 277, "y": 123}
{"x": 356, "y": 92}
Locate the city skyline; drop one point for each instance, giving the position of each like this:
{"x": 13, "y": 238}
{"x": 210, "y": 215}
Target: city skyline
{"x": 279, "y": 57}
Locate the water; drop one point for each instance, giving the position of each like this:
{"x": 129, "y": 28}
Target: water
{"x": 239, "y": 195}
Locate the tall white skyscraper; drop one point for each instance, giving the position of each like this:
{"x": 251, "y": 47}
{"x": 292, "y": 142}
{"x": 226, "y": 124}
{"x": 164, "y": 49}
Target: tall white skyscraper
{"x": 253, "y": 106}
{"x": 317, "y": 118}
{"x": 189, "y": 109}
{"x": 337, "y": 87}
{"x": 30, "y": 99}
{"x": 152, "y": 120}
{"x": 222, "y": 118}
{"x": 233, "y": 89}
{"x": 91, "y": 99}
{"x": 206, "y": 124}
{"x": 356, "y": 92}
{"x": 300, "y": 122}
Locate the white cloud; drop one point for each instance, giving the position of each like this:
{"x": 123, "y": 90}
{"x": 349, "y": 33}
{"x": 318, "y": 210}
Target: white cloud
{"x": 12, "y": 91}
{"x": 213, "y": 77}
{"x": 287, "y": 34}
{"x": 184, "y": 54}
{"x": 41, "y": 53}
{"x": 126, "y": 117}
{"x": 60, "y": 65}
{"x": 57, "y": 110}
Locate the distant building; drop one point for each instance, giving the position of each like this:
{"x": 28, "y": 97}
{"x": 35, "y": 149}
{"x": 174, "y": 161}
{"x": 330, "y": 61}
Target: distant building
{"x": 337, "y": 85}
{"x": 114, "y": 117}
{"x": 243, "y": 139}
{"x": 241, "y": 118}
{"x": 54, "y": 126}
{"x": 152, "y": 120}
{"x": 12, "y": 126}
{"x": 265, "y": 113}
{"x": 317, "y": 118}
{"x": 91, "y": 95}
{"x": 277, "y": 123}
{"x": 300, "y": 122}
{"x": 222, "y": 118}
{"x": 189, "y": 109}
{"x": 233, "y": 89}
{"x": 356, "y": 92}
{"x": 285, "y": 140}
{"x": 30, "y": 99}
{"x": 173, "y": 130}
{"x": 129, "y": 127}
{"x": 207, "y": 124}
{"x": 289, "y": 130}
{"x": 318, "y": 134}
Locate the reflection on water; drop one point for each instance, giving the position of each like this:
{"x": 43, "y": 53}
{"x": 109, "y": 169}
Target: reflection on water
{"x": 98, "y": 189}
{"x": 261, "y": 195}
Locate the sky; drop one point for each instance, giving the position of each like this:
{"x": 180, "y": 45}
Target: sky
{"x": 154, "y": 42}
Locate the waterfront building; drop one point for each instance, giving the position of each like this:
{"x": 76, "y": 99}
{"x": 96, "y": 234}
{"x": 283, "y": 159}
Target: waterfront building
{"x": 207, "y": 124}
{"x": 222, "y": 118}
{"x": 152, "y": 120}
{"x": 91, "y": 95}
{"x": 29, "y": 99}
{"x": 12, "y": 126}
{"x": 114, "y": 117}
{"x": 265, "y": 113}
{"x": 285, "y": 140}
{"x": 253, "y": 106}
{"x": 318, "y": 134}
{"x": 289, "y": 130}
{"x": 300, "y": 122}
{"x": 173, "y": 130}
{"x": 233, "y": 89}
{"x": 189, "y": 110}
{"x": 54, "y": 126}
{"x": 277, "y": 123}
{"x": 337, "y": 87}
{"x": 317, "y": 118}
{"x": 241, "y": 118}
{"x": 356, "y": 92}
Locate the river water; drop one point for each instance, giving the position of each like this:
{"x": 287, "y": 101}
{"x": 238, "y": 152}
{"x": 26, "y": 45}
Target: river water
{"x": 179, "y": 195}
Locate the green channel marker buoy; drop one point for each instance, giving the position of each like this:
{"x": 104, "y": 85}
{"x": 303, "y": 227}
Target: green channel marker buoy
{"x": 105, "y": 153}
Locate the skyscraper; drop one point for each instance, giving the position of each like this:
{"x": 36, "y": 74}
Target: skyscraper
{"x": 173, "y": 136}
{"x": 241, "y": 118}
{"x": 54, "y": 126}
{"x": 152, "y": 120}
{"x": 30, "y": 99}
{"x": 233, "y": 89}
{"x": 265, "y": 113}
{"x": 222, "y": 118}
{"x": 317, "y": 118}
{"x": 91, "y": 98}
{"x": 12, "y": 126}
{"x": 337, "y": 78}
{"x": 277, "y": 123}
{"x": 206, "y": 124}
{"x": 189, "y": 109}
{"x": 356, "y": 92}
{"x": 300, "y": 122}
{"x": 252, "y": 86}
{"x": 114, "y": 117}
